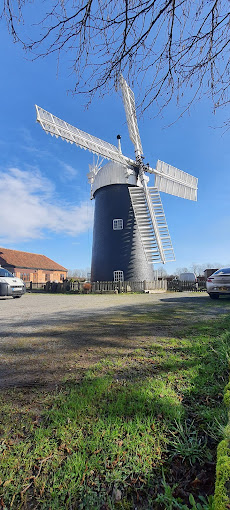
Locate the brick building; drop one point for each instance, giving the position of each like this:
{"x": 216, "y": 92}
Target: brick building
{"x": 32, "y": 267}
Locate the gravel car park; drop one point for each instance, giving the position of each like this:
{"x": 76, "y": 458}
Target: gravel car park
{"x": 42, "y": 336}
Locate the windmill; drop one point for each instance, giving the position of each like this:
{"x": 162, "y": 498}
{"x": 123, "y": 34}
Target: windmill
{"x": 130, "y": 229}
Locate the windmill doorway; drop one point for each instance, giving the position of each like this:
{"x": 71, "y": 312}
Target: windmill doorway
{"x": 118, "y": 276}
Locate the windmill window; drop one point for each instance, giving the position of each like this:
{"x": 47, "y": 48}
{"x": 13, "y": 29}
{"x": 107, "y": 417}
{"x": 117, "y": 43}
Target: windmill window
{"x": 118, "y": 276}
{"x": 118, "y": 224}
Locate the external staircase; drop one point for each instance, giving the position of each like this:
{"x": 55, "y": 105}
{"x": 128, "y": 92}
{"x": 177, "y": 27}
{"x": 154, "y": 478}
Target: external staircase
{"x": 149, "y": 212}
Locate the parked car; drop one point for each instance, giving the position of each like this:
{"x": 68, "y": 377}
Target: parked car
{"x": 187, "y": 281}
{"x": 219, "y": 283}
{"x": 10, "y": 285}
{"x": 188, "y": 277}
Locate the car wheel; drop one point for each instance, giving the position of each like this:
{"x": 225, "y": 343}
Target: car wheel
{"x": 214, "y": 296}
{"x": 15, "y": 297}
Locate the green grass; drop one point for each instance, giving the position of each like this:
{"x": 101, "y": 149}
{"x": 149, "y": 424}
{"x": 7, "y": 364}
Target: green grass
{"x": 119, "y": 437}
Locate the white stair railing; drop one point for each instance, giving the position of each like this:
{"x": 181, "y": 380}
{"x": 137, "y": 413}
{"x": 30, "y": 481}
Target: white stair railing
{"x": 155, "y": 237}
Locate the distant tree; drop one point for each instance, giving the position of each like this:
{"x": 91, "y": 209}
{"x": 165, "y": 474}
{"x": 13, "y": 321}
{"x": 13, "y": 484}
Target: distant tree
{"x": 161, "y": 272}
{"x": 198, "y": 269}
{"x": 166, "y": 46}
{"x": 180, "y": 270}
{"x": 78, "y": 273}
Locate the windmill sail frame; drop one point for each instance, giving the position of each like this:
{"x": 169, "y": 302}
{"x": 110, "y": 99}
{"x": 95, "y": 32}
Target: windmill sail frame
{"x": 130, "y": 110}
{"x": 59, "y": 128}
{"x": 175, "y": 182}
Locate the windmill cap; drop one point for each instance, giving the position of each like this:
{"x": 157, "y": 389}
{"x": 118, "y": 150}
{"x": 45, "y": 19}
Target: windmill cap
{"x": 114, "y": 173}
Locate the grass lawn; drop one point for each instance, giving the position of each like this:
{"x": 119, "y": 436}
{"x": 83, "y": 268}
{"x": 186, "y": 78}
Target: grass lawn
{"x": 139, "y": 430}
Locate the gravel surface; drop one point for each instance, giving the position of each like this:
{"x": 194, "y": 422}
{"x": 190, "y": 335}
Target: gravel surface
{"x": 46, "y": 338}
{"x": 34, "y": 308}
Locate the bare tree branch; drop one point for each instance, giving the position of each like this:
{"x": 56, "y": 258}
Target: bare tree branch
{"x": 170, "y": 47}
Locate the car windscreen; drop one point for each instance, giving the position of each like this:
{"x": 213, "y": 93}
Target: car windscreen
{"x": 225, "y": 270}
{"x": 4, "y": 272}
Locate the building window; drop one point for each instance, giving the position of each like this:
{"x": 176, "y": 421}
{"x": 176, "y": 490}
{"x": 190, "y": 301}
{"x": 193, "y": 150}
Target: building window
{"x": 26, "y": 277}
{"x": 47, "y": 277}
{"x": 118, "y": 224}
{"x": 62, "y": 277}
{"x": 118, "y": 276}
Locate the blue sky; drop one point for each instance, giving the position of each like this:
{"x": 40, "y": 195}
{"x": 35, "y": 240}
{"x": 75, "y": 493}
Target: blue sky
{"x": 45, "y": 196}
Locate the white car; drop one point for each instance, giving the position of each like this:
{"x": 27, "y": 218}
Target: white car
{"x": 10, "y": 285}
{"x": 188, "y": 277}
{"x": 219, "y": 283}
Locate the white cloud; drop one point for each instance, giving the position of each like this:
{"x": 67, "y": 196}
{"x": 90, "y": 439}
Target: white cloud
{"x": 68, "y": 172}
{"x": 30, "y": 207}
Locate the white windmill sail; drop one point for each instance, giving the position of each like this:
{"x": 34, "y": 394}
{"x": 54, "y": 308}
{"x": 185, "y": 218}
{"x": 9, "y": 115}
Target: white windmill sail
{"x": 171, "y": 180}
{"x": 130, "y": 110}
{"x": 58, "y": 127}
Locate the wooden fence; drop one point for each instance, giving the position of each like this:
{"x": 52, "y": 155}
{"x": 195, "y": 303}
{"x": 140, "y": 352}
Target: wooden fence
{"x": 79, "y": 287}
{"x": 179, "y": 286}
{"x": 34, "y": 286}
{"x": 129, "y": 286}
{"x": 98, "y": 287}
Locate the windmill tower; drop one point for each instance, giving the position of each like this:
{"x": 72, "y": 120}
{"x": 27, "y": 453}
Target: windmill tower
{"x": 130, "y": 229}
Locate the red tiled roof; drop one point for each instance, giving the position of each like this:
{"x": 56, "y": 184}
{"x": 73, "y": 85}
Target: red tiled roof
{"x": 24, "y": 259}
